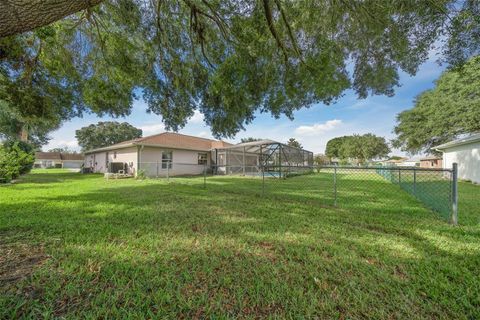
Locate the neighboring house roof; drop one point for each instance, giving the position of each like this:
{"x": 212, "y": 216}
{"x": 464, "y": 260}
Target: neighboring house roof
{"x": 48, "y": 156}
{"x": 396, "y": 160}
{"x": 169, "y": 140}
{"x": 470, "y": 139}
{"x": 410, "y": 160}
{"x": 58, "y": 156}
{"x": 431, "y": 158}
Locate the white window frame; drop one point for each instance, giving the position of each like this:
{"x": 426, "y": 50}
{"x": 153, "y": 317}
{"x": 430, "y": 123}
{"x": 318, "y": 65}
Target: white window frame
{"x": 202, "y": 161}
{"x": 167, "y": 163}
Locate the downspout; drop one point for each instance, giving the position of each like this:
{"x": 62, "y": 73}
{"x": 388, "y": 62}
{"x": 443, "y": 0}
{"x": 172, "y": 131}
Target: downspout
{"x": 216, "y": 161}
{"x": 139, "y": 158}
{"x": 444, "y": 163}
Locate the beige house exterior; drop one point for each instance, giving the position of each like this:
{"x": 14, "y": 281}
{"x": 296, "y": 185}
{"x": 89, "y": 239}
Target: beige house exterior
{"x": 157, "y": 155}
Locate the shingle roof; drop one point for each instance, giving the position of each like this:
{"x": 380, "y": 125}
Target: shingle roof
{"x": 170, "y": 140}
{"x": 57, "y": 156}
{"x": 48, "y": 155}
{"x": 470, "y": 139}
{"x": 176, "y": 140}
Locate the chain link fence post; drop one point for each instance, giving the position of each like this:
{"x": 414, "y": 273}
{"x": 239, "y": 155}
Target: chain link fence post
{"x": 335, "y": 186}
{"x": 415, "y": 182}
{"x": 168, "y": 171}
{"x": 157, "y": 169}
{"x": 263, "y": 180}
{"x": 204, "y": 176}
{"x": 455, "y": 194}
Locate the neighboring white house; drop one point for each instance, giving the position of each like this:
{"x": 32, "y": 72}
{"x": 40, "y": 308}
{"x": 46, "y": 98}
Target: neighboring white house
{"x": 58, "y": 160}
{"x": 465, "y": 152}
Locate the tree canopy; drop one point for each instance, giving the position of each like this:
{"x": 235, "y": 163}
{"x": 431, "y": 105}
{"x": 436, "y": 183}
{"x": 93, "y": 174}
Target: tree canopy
{"x": 249, "y": 139}
{"x": 321, "y": 159}
{"x": 227, "y": 59}
{"x": 62, "y": 150}
{"x": 292, "y": 142}
{"x": 443, "y": 113}
{"x": 105, "y": 134}
{"x": 359, "y": 147}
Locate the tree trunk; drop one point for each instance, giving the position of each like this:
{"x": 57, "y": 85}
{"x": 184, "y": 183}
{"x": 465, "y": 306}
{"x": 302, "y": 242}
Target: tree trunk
{"x": 23, "y": 134}
{"x": 17, "y": 16}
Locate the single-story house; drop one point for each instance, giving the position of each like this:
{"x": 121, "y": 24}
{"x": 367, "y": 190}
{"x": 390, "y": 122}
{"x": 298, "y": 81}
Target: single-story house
{"x": 408, "y": 163}
{"x": 58, "y": 160}
{"x": 389, "y": 162}
{"x": 466, "y": 153}
{"x": 157, "y": 155}
{"x": 175, "y": 154}
{"x": 431, "y": 162}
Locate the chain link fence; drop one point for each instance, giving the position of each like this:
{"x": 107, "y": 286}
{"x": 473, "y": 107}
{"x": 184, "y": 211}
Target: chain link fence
{"x": 436, "y": 189}
{"x": 175, "y": 171}
{"x": 379, "y": 189}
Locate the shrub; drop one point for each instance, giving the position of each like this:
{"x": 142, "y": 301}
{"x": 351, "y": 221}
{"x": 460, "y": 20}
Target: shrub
{"x": 141, "y": 174}
{"x": 16, "y": 158}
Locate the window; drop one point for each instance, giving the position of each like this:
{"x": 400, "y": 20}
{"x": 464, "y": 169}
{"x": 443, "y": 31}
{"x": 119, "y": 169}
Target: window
{"x": 202, "y": 158}
{"x": 167, "y": 159}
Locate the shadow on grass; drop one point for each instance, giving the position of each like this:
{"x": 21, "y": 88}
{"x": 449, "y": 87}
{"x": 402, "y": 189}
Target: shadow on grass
{"x": 178, "y": 250}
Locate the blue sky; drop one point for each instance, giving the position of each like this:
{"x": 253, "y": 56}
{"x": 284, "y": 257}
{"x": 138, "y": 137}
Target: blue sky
{"x": 313, "y": 127}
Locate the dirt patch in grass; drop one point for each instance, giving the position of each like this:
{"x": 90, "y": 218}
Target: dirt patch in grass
{"x": 18, "y": 261}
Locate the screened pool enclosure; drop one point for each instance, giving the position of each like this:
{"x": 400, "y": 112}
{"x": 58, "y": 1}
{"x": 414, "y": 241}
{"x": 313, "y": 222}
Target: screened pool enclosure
{"x": 262, "y": 158}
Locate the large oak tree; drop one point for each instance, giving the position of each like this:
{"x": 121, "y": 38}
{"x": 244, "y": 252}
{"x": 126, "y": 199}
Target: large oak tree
{"x": 362, "y": 148}
{"x": 443, "y": 113}
{"x": 228, "y": 59}
{"x": 104, "y": 134}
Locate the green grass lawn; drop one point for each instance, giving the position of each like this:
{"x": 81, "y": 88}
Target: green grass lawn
{"x": 75, "y": 245}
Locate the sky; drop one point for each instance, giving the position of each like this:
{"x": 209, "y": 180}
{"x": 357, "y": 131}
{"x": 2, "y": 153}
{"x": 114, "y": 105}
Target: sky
{"x": 312, "y": 127}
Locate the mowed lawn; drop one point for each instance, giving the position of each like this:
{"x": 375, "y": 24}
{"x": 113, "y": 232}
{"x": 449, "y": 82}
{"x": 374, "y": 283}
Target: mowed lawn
{"x": 75, "y": 245}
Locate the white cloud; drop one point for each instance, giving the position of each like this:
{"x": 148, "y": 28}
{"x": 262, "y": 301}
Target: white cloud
{"x": 359, "y": 105}
{"x": 196, "y": 118}
{"x": 152, "y": 129}
{"x": 203, "y": 134}
{"x": 318, "y": 128}
{"x": 70, "y": 144}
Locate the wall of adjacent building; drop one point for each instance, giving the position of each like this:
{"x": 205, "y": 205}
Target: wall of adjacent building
{"x": 96, "y": 161}
{"x": 468, "y": 158}
{"x": 184, "y": 162}
{"x": 125, "y": 155}
{"x": 99, "y": 161}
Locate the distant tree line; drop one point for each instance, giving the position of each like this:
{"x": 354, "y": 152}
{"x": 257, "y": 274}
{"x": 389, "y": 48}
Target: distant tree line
{"x": 360, "y": 148}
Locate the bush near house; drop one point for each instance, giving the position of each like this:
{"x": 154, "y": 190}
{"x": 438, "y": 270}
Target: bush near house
{"x": 16, "y": 158}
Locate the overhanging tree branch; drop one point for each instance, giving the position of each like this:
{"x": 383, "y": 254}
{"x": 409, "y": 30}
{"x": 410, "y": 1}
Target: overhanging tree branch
{"x": 17, "y": 16}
